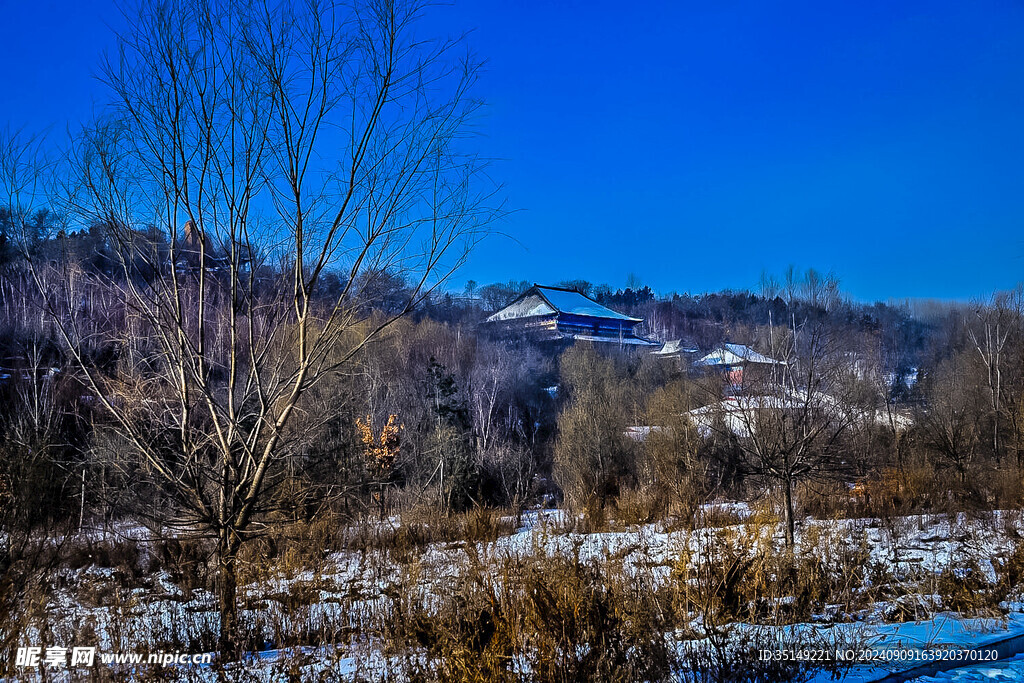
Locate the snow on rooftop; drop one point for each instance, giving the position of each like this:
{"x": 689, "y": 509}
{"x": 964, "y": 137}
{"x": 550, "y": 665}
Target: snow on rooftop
{"x": 543, "y": 301}
{"x": 527, "y": 307}
{"x": 574, "y": 303}
{"x": 735, "y": 354}
{"x": 740, "y": 414}
{"x": 675, "y": 347}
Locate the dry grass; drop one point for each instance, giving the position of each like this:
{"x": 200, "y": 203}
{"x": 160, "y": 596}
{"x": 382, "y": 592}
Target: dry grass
{"x": 421, "y": 527}
{"x": 437, "y": 596}
{"x": 540, "y": 618}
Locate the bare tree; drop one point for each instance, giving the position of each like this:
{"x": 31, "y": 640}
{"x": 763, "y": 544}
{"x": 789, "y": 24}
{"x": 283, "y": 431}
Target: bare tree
{"x": 950, "y": 423}
{"x": 592, "y": 454}
{"x": 769, "y": 285}
{"x": 271, "y": 143}
{"x": 996, "y": 321}
{"x": 789, "y": 421}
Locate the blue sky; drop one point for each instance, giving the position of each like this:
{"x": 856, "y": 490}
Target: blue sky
{"x": 697, "y": 144}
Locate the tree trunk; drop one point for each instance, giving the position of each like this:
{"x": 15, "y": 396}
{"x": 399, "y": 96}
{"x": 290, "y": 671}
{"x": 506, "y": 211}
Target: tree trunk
{"x": 790, "y": 523}
{"x": 227, "y": 590}
{"x": 997, "y": 450}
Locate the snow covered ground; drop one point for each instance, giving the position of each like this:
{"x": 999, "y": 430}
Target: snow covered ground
{"x": 346, "y": 586}
{"x": 1006, "y": 670}
{"x": 908, "y": 645}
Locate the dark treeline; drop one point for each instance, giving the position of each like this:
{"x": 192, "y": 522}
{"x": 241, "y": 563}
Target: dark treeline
{"x": 443, "y": 413}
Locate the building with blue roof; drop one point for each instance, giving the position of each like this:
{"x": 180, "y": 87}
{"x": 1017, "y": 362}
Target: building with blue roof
{"x": 556, "y": 313}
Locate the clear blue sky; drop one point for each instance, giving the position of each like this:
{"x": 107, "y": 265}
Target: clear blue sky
{"x": 696, "y": 144}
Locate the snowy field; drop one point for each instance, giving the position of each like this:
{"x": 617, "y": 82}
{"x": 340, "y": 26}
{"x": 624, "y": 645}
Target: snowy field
{"x": 347, "y": 588}
{"x": 1006, "y": 670}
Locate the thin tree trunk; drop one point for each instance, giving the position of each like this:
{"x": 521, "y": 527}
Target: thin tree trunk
{"x": 790, "y": 523}
{"x": 81, "y": 509}
{"x": 227, "y": 593}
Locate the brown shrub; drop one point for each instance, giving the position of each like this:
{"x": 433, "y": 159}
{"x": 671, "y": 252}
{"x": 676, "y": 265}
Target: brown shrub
{"x": 1010, "y": 572}
{"x": 1004, "y": 487}
{"x": 187, "y": 562}
{"x": 642, "y": 505}
{"x": 743, "y": 574}
{"x": 964, "y": 587}
{"x": 541, "y": 618}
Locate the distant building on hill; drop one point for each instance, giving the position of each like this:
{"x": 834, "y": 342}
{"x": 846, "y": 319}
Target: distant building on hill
{"x": 679, "y": 349}
{"x": 554, "y": 314}
{"x": 733, "y": 360}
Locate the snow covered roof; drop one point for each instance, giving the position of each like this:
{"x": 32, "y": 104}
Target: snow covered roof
{"x": 524, "y": 307}
{"x": 735, "y": 354}
{"x": 741, "y": 414}
{"x": 674, "y": 348}
{"x": 571, "y": 301}
{"x": 543, "y": 301}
